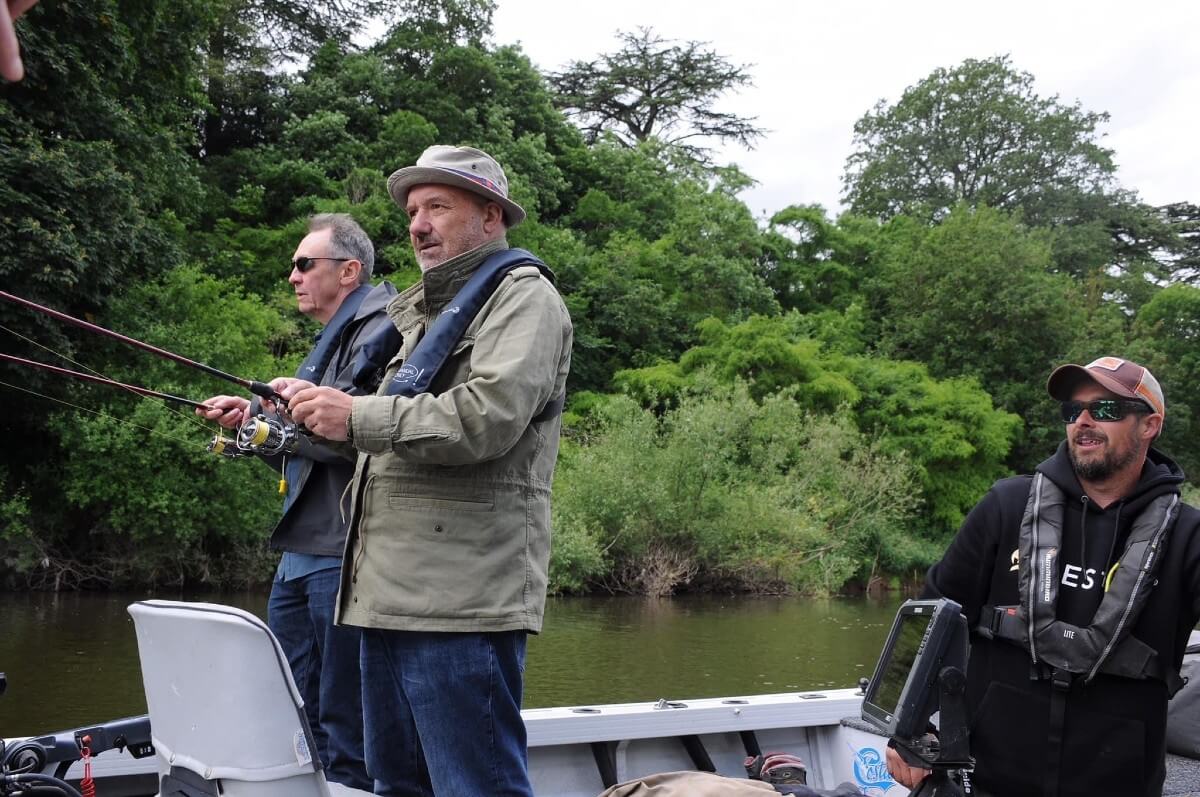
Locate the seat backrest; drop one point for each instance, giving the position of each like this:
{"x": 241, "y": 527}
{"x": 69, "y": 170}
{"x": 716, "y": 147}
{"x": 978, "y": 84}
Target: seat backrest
{"x": 222, "y": 701}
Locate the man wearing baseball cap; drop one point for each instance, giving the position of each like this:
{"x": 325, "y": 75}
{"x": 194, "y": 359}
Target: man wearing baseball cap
{"x": 447, "y": 553}
{"x": 1081, "y": 584}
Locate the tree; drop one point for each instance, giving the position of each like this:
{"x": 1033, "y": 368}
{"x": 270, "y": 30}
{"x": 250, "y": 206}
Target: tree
{"x": 813, "y": 264}
{"x": 974, "y": 296}
{"x": 979, "y": 134}
{"x": 1166, "y": 339}
{"x": 948, "y": 429}
{"x": 248, "y": 42}
{"x": 654, "y": 87}
{"x": 1184, "y": 218}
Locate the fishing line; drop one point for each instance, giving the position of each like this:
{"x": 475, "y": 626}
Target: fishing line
{"x": 188, "y": 416}
{"x": 155, "y": 432}
{"x": 260, "y": 389}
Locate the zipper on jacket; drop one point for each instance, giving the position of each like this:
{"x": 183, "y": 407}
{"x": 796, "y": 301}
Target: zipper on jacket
{"x": 1033, "y": 585}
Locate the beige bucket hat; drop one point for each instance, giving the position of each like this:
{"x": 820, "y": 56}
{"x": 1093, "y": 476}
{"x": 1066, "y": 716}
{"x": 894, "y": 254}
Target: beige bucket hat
{"x": 463, "y": 167}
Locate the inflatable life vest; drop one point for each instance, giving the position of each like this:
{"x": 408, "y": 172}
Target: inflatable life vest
{"x": 1066, "y": 651}
{"x": 433, "y": 350}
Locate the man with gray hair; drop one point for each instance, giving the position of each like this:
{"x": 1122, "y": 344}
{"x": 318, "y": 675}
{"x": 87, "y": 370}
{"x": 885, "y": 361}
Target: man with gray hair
{"x": 449, "y": 541}
{"x": 330, "y": 274}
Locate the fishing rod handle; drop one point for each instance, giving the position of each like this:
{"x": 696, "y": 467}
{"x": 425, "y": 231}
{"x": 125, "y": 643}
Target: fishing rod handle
{"x": 263, "y": 390}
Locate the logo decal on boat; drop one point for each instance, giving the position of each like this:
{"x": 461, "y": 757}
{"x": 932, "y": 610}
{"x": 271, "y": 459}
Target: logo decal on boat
{"x": 870, "y": 770}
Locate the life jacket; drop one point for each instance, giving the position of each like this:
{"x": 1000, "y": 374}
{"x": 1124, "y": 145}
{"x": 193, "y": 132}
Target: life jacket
{"x": 1064, "y": 651}
{"x": 433, "y": 350}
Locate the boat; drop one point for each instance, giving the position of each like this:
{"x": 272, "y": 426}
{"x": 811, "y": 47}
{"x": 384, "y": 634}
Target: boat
{"x": 222, "y": 703}
{"x": 574, "y": 751}
{"x": 224, "y": 707}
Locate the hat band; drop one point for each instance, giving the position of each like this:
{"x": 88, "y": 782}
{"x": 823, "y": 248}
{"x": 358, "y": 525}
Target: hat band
{"x": 476, "y": 178}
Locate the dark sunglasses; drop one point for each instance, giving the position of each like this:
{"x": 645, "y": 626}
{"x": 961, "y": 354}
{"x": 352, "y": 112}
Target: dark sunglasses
{"x": 1103, "y": 409}
{"x": 303, "y": 264}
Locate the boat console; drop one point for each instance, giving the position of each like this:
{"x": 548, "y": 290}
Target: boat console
{"x": 922, "y": 671}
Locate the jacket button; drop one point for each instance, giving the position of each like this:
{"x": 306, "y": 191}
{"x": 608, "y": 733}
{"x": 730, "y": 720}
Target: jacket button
{"x": 438, "y": 528}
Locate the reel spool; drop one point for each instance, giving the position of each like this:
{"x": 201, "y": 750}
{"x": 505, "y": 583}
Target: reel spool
{"x": 225, "y": 447}
{"x": 268, "y": 436}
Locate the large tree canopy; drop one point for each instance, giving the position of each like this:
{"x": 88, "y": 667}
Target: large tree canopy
{"x": 654, "y": 87}
{"x": 977, "y": 133}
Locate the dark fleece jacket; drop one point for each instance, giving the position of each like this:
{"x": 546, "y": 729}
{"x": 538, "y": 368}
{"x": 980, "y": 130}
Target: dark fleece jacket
{"x": 1114, "y": 728}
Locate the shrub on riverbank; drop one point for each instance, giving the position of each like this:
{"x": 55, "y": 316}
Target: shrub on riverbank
{"x": 724, "y": 492}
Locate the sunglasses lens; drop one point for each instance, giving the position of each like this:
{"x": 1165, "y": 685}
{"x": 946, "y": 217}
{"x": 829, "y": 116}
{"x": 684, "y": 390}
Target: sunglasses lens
{"x": 1103, "y": 410}
{"x": 302, "y": 264}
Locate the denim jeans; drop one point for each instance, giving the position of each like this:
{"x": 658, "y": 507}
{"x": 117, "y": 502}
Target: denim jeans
{"x": 324, "y": 662}
{"x": 443, "y": 713}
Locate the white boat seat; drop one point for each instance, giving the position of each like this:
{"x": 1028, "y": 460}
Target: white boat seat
{"x": 223, "y": 705}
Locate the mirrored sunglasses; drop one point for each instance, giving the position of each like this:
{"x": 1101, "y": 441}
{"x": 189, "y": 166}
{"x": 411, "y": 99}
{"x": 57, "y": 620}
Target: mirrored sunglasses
{"x": 1103, "y": 410}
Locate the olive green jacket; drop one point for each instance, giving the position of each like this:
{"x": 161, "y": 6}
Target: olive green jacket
{"x": 450, "y": 510}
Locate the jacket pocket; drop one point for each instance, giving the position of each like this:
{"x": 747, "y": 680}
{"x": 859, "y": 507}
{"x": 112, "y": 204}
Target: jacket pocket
{"x": 421, "y": 501}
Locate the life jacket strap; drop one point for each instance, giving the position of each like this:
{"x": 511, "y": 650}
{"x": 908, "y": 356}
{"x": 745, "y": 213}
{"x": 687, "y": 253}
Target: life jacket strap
{"x": 552, "y": 409}
{"x": 1001, "y": 622}
{"x": 1061, "y": 679}
{"x": 1132, "y": 658}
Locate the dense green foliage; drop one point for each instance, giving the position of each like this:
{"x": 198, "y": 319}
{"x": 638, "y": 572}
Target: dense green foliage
{"x": 727, "y": 492}
{"x": 794, "y": 403}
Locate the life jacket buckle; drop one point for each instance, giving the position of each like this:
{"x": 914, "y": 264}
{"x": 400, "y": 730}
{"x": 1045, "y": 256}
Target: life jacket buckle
{"x": 1061, "y": 679}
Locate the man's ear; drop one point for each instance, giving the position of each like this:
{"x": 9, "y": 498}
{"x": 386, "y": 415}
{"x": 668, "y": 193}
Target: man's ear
{"x": 1152, "y": 427}
{"x": 493, "y": 217}
{"x": 351, "y": 272}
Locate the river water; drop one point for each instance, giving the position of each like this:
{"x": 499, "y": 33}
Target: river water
{"x": 71, "y": 659}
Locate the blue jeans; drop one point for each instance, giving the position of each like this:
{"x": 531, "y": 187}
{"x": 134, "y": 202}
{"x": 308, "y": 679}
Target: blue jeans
{"x": 324, "y": 662}
{"x": 443, "y": 713}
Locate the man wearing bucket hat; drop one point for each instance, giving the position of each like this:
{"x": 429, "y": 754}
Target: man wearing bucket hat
{"x": 446, "y": 559}
{"x": 1081, "y": 584}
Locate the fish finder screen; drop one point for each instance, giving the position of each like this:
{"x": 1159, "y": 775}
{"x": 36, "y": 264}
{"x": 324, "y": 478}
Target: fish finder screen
{"x": 900, "y": 662}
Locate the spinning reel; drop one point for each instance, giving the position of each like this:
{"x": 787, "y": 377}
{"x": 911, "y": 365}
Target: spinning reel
{"x": 267, "y": 435}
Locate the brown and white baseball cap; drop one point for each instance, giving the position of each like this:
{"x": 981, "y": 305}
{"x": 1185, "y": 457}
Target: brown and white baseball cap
{"x": 1125, "y": 378}
{"x": 463, "y": 167}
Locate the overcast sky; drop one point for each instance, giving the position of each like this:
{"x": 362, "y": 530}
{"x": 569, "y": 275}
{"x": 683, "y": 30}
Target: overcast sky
{"x": 818, "y": 67}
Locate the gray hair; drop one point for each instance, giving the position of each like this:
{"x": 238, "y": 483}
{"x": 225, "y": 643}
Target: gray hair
{"x": 348, "y": 240}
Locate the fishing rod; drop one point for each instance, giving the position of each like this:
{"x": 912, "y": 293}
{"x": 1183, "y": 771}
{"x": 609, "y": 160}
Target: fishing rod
{"x": 262, "y": 434}
{"x": 260, "y": 389}
{"x": 259, "y": 435}
{"x": 141, "y": 391}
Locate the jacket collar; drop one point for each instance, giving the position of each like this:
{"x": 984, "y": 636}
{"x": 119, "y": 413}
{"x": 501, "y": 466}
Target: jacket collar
{"x": 438, "y": 285}
{"x": 376, "y": 300}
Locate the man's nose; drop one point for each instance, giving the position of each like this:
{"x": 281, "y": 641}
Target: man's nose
{"x": 418, "y": 224}
{"x": 295, "y": 277}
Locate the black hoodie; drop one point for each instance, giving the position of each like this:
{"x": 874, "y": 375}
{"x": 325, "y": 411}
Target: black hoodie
{"x": 1114, "y": 728}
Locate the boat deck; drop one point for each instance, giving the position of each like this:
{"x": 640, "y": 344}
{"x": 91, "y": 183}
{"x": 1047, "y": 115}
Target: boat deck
{"x": 1183, "y": 777}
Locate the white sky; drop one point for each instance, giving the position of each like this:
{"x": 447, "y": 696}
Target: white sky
{"x": 818, "y": 67}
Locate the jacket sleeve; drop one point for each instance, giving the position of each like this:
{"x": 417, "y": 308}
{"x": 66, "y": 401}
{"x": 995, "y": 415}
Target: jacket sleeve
{"x": 964, "y": 573}
{"x": 515, "y": 365}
